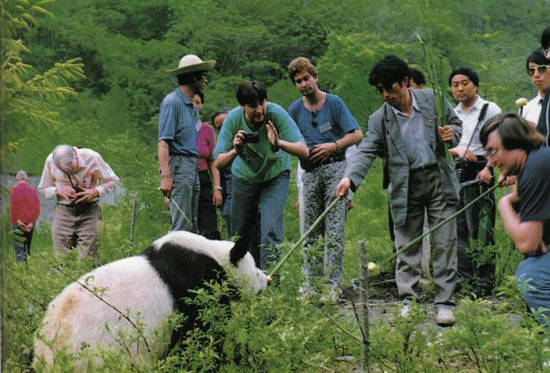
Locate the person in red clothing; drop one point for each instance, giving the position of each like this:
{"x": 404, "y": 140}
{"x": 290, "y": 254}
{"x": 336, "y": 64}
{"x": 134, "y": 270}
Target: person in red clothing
{"x": 25, "y": 209}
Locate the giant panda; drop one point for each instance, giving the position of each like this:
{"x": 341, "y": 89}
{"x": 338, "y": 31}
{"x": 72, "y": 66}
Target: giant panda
{"x": 150, "y": 285}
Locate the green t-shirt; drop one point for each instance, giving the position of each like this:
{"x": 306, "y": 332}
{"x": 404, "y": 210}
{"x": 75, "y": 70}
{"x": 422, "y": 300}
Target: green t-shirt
{"x": 257, "y": 162}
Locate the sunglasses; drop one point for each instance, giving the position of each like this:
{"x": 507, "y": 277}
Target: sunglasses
{"x": 380, "y": 89}
{"x": 540, "y": 68}
{"x": 314, "y": 119}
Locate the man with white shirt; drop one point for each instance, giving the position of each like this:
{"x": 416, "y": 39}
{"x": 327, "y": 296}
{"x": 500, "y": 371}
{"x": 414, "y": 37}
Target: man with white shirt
{"x": 72, "y": 176}
{"x": 538, "y": 69}
{"x": 471, "y": 164}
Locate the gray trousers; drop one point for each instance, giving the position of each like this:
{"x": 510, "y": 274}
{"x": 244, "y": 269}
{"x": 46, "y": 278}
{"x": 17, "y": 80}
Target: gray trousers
{"x": 77, "y": 226}
{"x": 185, "y": 193}
{"x": 426, "y": 194}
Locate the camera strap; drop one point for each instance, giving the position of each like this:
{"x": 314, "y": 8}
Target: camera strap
{"x": 479, "y": 120}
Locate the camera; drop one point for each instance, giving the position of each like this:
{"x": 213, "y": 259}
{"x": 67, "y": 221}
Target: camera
{"x": 251, "y": 138}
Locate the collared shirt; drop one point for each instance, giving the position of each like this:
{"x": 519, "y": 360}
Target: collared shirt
{"x": 415, "y": 138}
{"x": 531, "y": 111}
{"x": 205, "y": 146}
{"x": 178, "y": 124}
{"x": 24, "y": 203}
{"x": 91, "y": 169}
{"x": 469, "y": 123}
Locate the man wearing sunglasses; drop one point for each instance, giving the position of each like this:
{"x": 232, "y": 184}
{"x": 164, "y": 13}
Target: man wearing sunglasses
{"x": 476, "y": 223}
{"x": 543, "y": 125}
{"x": 328, "y": 127}
{"x": 177, "y": 142}
{"x": 538, "y": 69}
{"x": 405, "y": 133}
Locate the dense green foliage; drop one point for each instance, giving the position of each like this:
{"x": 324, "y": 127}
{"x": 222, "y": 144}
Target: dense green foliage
{"x": 106, "y": 96}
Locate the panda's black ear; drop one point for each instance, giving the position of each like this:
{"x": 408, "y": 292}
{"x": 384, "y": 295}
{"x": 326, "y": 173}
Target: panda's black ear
{"x": 239, "y": 250}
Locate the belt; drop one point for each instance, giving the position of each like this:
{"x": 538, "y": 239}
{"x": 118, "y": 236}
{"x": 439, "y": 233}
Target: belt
{"x": 308, "y": 166}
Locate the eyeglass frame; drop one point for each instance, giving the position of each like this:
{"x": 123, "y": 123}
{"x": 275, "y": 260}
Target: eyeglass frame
{"x": 531, "y": 70}
{"x": 379, "y": 90}
{"x": 493, "y": 152}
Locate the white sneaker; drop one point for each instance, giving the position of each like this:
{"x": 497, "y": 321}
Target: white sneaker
{"x": 405, "y": 311}
{"x": 445, "y": 317}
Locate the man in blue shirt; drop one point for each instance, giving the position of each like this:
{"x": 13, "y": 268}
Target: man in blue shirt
{"x": 258, "y": 137}
{"x": 518, "y": 150}
{"x": 328, "y": 128}
{"x": 177, "y": 138}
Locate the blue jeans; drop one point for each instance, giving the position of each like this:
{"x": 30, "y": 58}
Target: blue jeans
{"x": 533, "y": 277}
{"x": 185, "y": 193}
{"x": 268, "y": 199}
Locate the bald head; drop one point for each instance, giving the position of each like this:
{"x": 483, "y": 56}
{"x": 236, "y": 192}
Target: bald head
{"x": 63, "y": 157}
{"x": 21, "y": 175}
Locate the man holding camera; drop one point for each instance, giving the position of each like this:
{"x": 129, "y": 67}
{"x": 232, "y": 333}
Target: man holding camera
{"x": 258, "y": 137}
{"x": 476, "y": 223}
{"x": 328, "y": 127}
{"x": 72, "y": 176}
{"x": 177, "y": 142}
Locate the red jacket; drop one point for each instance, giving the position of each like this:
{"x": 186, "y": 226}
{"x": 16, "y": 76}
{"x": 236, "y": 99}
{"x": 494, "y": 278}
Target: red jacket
{"x": 25, "y": 204}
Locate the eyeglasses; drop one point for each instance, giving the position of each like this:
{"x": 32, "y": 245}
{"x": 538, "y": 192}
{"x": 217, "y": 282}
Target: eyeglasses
{"x": 540, "y": 68}
{"x": 314, "y": 119}
{"x": 380, "y": 89}
{"x": 492, "y": 152}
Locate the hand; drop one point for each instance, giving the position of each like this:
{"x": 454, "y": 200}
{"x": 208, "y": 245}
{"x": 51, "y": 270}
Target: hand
{"x": 343, "y": 187}
{"x": 350, "y": 205}
{"x": 446, "y": 133}
{"x": 65, "y": 192}
{"x": 167, "y": 202}
{"x": 506, "y": 180}
{"x": 464, "y": 154}
{"x": 238, "y": 140}
{"x": 217, "y": 198}
{"x": 86, "y": 196}
{"x": 297, "y": 206}
{"x": 485, "y": 175}
{"x": 166, "y": 185}
{"x": 272, "y": 134}
{"x": 322, "y": 152}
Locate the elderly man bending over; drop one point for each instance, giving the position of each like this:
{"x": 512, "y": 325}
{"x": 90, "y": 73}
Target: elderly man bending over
{"x": 72, "y": 175}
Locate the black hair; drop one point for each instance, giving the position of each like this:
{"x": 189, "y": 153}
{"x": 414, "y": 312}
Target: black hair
{"x": 251, "y": 93}
{"x": 389, "y": 70}
{"x": 514, "y": 132}
{"x": 418, "y": 76}
{"x": 545, "y": 38}
{"x": 219, "y": 112}
{"x": 190, "y": 78}
{"x": 468, "y": 71}
{"x": 538, "y": 57}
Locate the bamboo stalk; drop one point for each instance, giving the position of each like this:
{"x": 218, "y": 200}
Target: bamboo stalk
{"x": 302, "y": 239}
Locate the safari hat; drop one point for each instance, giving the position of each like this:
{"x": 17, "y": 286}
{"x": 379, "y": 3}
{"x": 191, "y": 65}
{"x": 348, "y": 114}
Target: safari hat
{"x": 190, "y": 64}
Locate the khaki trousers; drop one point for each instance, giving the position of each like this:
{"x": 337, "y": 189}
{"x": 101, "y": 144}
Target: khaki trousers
{"x": 77, "y": 226}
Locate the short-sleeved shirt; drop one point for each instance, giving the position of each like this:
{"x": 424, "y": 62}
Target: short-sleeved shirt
{"x": 330, "y": 123}
{"x": 257, "y": 162}
{"x": 178, "y": 124}
{"x": 205, "y": 146}
{"x": 531, "y": 111}
{"x": 534, "y": 190}
{"x": 544, "y": 119}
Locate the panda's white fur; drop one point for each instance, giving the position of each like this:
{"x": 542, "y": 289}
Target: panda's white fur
{"x": 76, "y": 318}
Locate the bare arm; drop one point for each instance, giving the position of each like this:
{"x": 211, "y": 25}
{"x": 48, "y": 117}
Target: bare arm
{"x": 527, "y": 236}
{"x": 295, "y": 148}
{"x": 217, "y": 199}
{"x": 166, "y": 176}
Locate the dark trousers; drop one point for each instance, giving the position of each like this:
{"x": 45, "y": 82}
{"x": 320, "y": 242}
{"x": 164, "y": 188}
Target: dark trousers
{"x": 480, "y": 215}
{"x": 22, "y": 243}
{"x": 206, "y": 215}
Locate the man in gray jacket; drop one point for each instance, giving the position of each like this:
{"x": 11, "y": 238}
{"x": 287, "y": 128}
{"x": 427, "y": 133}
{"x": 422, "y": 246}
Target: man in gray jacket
{"x": 405, "y": 133}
